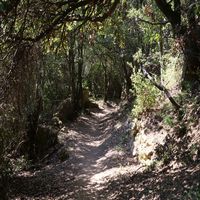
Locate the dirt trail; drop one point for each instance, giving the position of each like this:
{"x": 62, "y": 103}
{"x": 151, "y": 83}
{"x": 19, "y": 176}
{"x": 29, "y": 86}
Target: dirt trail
{"x": 98, "y": 153}
{"x": 100, "y": 167}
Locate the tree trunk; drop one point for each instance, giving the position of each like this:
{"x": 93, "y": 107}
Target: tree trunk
{"x": 127, "y": 77}
{"x": 161, "y": 41}
{"x": 80, "y": 72}
{"x": 192, "y": 49}
{"x": 105, "y": 84}
{"x": 71, "y": 63}
{"x": 32, "y": 126}
{"x": 187, "y": 38}
{"x": 174, "y": 16}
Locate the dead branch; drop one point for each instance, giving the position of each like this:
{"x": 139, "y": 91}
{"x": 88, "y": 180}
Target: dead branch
{"x": 161, "y": 88}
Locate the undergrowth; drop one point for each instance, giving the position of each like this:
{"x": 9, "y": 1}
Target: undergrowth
{"x": 146, "y": 94}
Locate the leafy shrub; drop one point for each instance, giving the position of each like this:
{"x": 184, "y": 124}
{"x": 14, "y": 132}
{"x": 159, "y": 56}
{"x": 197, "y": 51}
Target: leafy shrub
{"x": 172, "y": 71}
{"x": 146, "y": 94}
{"x": 55, "y": 81}
{"x": 9, "y": 138}
{"x": 192, "y": 194}
{"x": 11, "y": 128}
{"x": 168, "y": 120}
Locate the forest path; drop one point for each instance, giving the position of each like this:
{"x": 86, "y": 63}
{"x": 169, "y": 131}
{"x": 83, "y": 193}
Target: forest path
{"x": 100, "y": 166}
{"x": 98, "y": 153}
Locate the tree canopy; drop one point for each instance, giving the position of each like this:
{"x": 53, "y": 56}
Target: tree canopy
{"x": 33, "y": 20}
{"x": 59, "y": 57}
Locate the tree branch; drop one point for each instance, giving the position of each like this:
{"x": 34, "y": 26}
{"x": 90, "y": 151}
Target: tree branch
{"x": 161, "y": 88}
{"x": 153, "y": 23}
{"x": 67, "y": 15}
{"x": 174, "y": 16}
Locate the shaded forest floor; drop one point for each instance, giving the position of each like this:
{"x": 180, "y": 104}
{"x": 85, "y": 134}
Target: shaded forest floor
{"x": 100, "y": 166}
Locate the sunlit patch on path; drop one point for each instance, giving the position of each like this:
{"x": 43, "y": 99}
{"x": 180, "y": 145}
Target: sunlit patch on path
{"x": 94, "y": 158}
{"x": 100, "y": 167}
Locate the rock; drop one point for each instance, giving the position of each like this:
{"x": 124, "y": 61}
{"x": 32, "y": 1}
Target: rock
{"x": 158, "y": 118}
{"x": 145, "y": 144}
{"x": 128, "y": 125}
{"x": 180, "y": 130}
{"x": 21, "y": 148}
{"x": 85, "y": 98}
{"x": 46, "y": 137}
{"x": 63, "y": 154}
{"x": 65, "y": 111}
{"x": 92, "y": 105}
{"x": 57, "y": 122}
{"x": 136, "y": 126}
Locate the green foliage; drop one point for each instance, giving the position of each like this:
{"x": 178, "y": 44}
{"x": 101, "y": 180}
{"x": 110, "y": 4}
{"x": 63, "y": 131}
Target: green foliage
{"x": 151, "y": 167}
{"x": 123, "y": 140}
{"x": 10, "y": 137}
{"x": 165, "y": 153}
{"x": 172, "y": 70}
{"x": 168, "y": 120}
{"x": 9, "y": 130}
{"x": 194, "y": 149}
{"x": 192, "y": 194}
{"x": 119, "y": 148}
{"x": 138, "y": 56}
{"x": 146, "y": 94}
{"x": 93, "y": 81}
{"x": 55, "y": 81}
{"x": 19, "y": 164}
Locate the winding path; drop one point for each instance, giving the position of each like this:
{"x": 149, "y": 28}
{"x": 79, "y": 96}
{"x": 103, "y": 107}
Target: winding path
{"x": 100, "y": 167}
{"x": 98, "y": 152}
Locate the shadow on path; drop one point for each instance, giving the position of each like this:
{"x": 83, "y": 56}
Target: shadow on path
{"x": 93, "y": 160}
{"x": 101, "y": 168}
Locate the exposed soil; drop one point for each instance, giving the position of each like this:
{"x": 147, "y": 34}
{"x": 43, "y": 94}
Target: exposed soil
{"x": 100, "y": 166}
